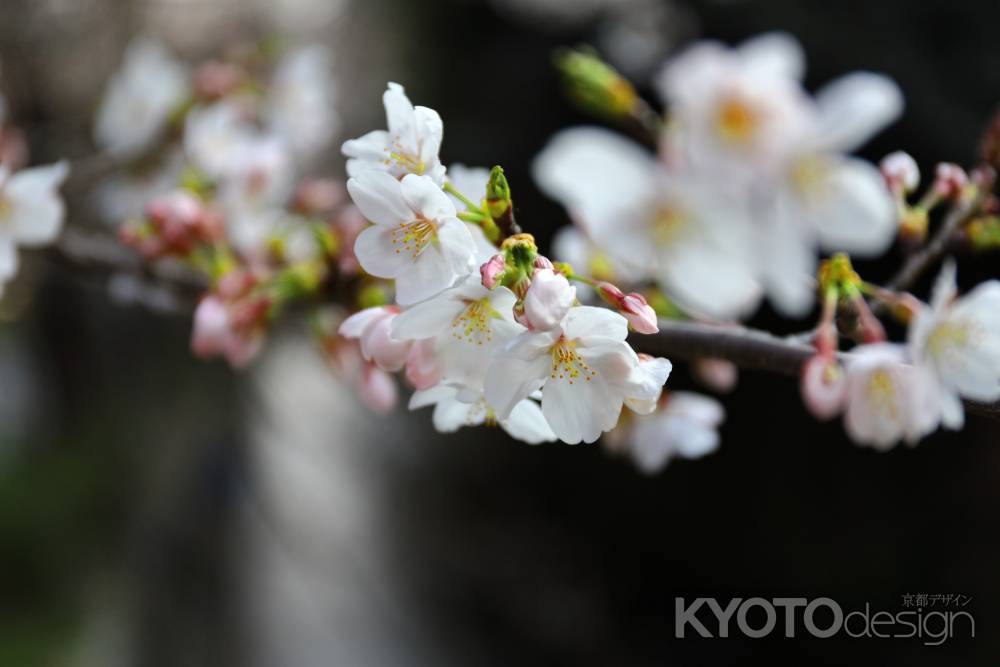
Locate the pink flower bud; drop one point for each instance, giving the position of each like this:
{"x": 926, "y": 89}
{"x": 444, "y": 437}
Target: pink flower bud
{"x": 548, "y": 299}
{"x": 824, "y": 386}
{"x": 900, "y": 171}
{"x": 182, "y": 221}
{"x": 378, "y": 390}
{"x": 639, "y": 314}
{"x": 493, "y": 270}
{"x": 542, "y": 262}
{"x": 949, "y": 180}
{"x": 212, "y": 328}
{"x": 633, "y": 307}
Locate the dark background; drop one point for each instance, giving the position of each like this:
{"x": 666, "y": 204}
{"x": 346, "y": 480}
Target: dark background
{"x": 127, "y": 469}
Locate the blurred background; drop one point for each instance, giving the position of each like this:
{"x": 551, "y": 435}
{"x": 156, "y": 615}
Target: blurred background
{"x": 159, "y": 510}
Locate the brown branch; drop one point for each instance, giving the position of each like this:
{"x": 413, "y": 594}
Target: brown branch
{"x": 750, "y": 349}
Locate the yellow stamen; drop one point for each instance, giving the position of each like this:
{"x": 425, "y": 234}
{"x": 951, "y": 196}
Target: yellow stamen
{"x": 413, "y": 237}
{"x": 567, "y": 364}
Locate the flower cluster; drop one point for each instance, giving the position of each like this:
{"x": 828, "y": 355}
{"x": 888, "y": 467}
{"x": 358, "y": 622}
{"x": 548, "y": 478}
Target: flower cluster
{"x": 214, "y": 178}
{"x": 485, "y": 333}
{"x": 751, "y": 176}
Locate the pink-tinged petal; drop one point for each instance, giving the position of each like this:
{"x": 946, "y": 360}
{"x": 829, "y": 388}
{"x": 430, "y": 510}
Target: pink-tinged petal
{"x": 647, "y": 378}
{"x": 211, "y": 329}
{"x": 356, "y": 325}
{"x": 423, "y": 368}
{"x": 378, "y": 390}
{"x": 824, "y": 387}
{"x": 379, "y": 197}
{"x": 548, "y": 300}
{"x": 378, "y": 345}
{"x": 425, "y": 197}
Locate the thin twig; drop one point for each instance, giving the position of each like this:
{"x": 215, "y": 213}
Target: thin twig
{"x": 750, "y": 349}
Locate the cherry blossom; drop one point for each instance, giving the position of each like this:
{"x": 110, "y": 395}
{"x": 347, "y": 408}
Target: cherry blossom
{"x": 686, "y": 426}
{"x": 889, "y": 399}
{"x": 31, "y": 212}
{"x": 465, "y": 324}
{"x": 139, "y": 100}
{"x": 584, "y": 368}
{"x": 958, "y": 339}
{"x": 300, "y": 106}
{"x": 549, "y": 298}
{"x": 416, "y": 238}
{"x": 409, "y": 146}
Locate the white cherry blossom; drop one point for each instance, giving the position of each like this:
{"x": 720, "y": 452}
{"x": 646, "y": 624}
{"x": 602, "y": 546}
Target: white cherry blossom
{"x": 409, "y": 146}
{"x": 139, "y": 99}
{"x": 455, "y": 408}
{"x": 373, "y": 329}
{"x": 31, "y": 212}
{"x": 686, "y": 426}
{"x": 468, "y": 324}
{"x": 696, "y": 243}
{"x": 415, "y": 239}
{"x": 888, "y": 398}
{"x": 214, "y": 136}
{"x": 300, "y": 105}
{"x": 584, "y": 368}
{"x": 958, "y": 338}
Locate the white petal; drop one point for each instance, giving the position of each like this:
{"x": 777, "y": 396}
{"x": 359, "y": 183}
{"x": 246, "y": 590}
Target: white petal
{"x": 356, "y": 325}
{"x": 527, "y": 423}
{"x": 427, "y": 275}
{"x": 430, "y": 131}
{"x": 399, "y": 114}
{"x": 427, "y": 319}
{"x": 510, "y": 380}
{"x": 426, "y": 198}
{"x": 589, "y": 323}
{"x": 647, "y": 380}
{"x": 580, "y": 411}
{"x": 788, "y": 265}
{"x": 855, "y": 107}
{"x": 952, "y": 411}
{"x": 594, "y": 171}
{"x": 9, "y": 262}
{"x": 367, "y": 152}
{"x": 425, "y": 397}
{"x": 456, "y": 245}
{"x": 945, "y": 287}
{"x": 379, "y": 197}
{"x": 37, "y": 209}
{"x": 855, "y": 212}
{"x": 709, "y": 280}
{"x": 774, "y": 54}
{"x": 378, "y": 255}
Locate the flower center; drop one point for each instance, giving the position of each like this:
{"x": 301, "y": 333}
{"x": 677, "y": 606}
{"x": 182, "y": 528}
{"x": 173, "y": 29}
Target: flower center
{"x": 667, "y": 224}
{"x": 948, "y": 337}
{"x": 413, "y": 237}
{"x": 736, "y": 121}
{"x": 809, "y": 176}
{"x": 405, "y": 161}
{"x": 567, "y": 364}
{"x": 472, "y": 325}
{"x": 882, "y": 393}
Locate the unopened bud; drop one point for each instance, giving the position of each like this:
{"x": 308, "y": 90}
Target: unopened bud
{"x": 824, "y": 386}
{"x": 492, "y": 271}
{"x": 633, "y": 307}
{"x": 594, "y": 84}
{"x": 901, "y": 172}
{"x": 950, "y": 180}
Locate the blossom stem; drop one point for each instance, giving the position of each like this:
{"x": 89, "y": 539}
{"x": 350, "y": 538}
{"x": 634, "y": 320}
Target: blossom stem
{"x": 750, "y": 349}
{"x": 452, "y": 190}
